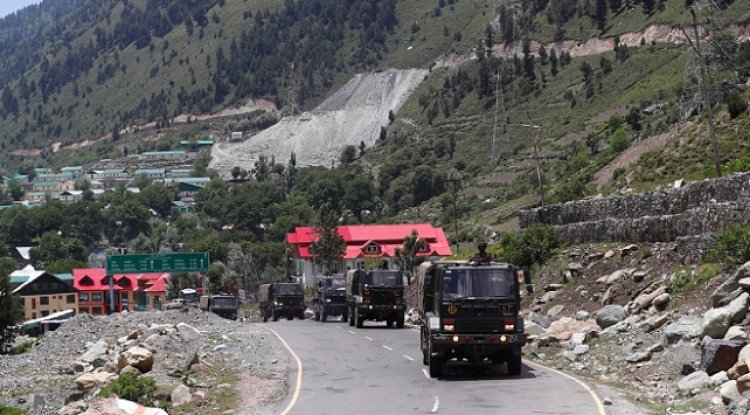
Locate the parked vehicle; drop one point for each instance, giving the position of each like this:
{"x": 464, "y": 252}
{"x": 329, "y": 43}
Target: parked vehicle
{"x": 470, "y": 311}
{"x": 375, "y": 295}
{"x": 224, "y": 305}
{"x": 330, "y": 299}
{"x": 282, "y": 299}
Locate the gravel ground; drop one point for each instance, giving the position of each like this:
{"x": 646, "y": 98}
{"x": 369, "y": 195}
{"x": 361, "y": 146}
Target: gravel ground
{"x": 233, "y": 354}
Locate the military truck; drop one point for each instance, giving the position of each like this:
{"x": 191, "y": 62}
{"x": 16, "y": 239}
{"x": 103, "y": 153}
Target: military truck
{"x": 470, "y": 312}
{"x": 224, "y": 305}
{"x": 330, "y": 299}
{"x": 375, "y": 295}
{"x": 282, "y": 299}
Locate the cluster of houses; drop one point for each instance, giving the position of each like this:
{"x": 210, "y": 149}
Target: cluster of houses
{"x": 169, "y": 167}
{"x": 50, "y": 298}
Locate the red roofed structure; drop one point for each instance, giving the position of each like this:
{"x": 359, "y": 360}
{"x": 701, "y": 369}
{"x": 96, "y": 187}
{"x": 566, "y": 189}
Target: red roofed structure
{"x": 133, "y": 292}
{"x": 366, "y": 241}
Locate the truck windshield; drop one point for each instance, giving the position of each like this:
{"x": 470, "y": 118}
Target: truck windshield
{"x": 224, "y": 301}
{"x": 334, "y": 284}
{"x": 290, "y": 289}
{"x": 383, "y": 279}
{"x": 461, "y": 283}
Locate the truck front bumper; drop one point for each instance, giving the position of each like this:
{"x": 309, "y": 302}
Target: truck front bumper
{"x": 483, "y": 345}
{"x": 381, "y": 312}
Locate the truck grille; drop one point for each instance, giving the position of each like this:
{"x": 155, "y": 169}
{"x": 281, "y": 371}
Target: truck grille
{"x": 337, "y": 299}
{"x": 479, "y": 325}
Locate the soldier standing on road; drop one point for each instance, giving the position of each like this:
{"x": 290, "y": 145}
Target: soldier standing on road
{"x": 482, "y": 256}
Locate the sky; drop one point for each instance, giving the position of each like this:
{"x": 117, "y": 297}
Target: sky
{"x": 9, "y": 6}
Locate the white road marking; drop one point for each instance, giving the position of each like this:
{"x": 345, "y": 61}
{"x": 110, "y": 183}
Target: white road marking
{"x": 594, "y": 396}
{"x": 350, "y": 331}
{"x": 369, "y": 338}
{"x": 298, "y": 385}
{"x": 409, "y": 358}
{"x": 435, "y": 405}
{"x": 387, "y": 348}
{"x": 426, "y": 373}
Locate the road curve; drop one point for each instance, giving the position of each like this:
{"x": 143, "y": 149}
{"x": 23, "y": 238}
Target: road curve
{"x": 378, "y": 370}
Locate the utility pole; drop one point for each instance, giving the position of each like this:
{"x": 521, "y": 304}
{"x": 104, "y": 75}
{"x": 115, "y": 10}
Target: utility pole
{"x": 454, "y": 179}
{"x": 536, "y": 159}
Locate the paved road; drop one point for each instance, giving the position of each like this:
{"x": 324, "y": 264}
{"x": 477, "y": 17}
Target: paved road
{"x": 378, "y": 370}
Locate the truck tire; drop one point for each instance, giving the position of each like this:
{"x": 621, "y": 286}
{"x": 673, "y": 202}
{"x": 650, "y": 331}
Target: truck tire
{"x": 301, "y": 315}
{"x": 324, "y": 315}
{"x": 317, "y": 315}
{"x": 265, "y": 315}
{"x": 389, "y": 323}
{"x": 400, "y": 321}
{"x": 514, "y": 366}
{"x": 425, "y": 360}
{"x": 358, "y": 319}
{"x": 351, "y": 318}
{"x": 275, "y": 315}
{"x": 345, "y": 316}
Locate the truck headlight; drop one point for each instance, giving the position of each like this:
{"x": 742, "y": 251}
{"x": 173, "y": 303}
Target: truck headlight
{"x": 510, "y": 327}
{"x": 449, "y": 327}
{"x": 370, "y": 307}
{"x": 455, "y": 339}
{"x": 503, "y": 339}
{"x": 328, "y": 300}
{"x": 275, "y": 303}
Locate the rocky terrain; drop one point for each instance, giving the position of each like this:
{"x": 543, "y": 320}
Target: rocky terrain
{"x": 352, "y": 115}
{"x": 199, "y": 362}
{"x": 673, "y": 338}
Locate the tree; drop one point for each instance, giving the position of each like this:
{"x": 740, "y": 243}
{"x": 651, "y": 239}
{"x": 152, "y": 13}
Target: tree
{"x": 406, "y": 257}
{"x": 11, "y": 308}
{"x": 553, "y": 62}
{"x": 348, "y": 154}
{"x": 65, "y": 265}
{"x": 15, "y": 190}
{"x": 330, "y": 246}
{"x": 601, "y": 14}
{"x": 615, "y": 5}
{"x": 648, "y": 6}
{"x": 52, "y": 247}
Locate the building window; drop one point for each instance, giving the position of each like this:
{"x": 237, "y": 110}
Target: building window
{"x": 33, "y": 316}
{"x": 83, "y": 298}
{"x": 33, "y": 303}
{"x": 43, "y": 300}
{"x": 97, "y": 311}
{"x": 71, "y": 299}
{"x": 96, "y": 297}
{"x": 45, "y": 313}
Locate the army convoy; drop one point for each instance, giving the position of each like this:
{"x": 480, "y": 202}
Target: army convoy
{"x": 330, "y": 299}
{"x": 282, "y": 300}
{"x": 375, "y": 295}
{"x": 470, "y": 311}
{"x": 223, "y": 305}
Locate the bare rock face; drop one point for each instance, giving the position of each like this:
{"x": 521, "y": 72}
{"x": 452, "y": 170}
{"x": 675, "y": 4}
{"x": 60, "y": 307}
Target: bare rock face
{"x": 90, "y": 381}
{"x": 138, "y": 357}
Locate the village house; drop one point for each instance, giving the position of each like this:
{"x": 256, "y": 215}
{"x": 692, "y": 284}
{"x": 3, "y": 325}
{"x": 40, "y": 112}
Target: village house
{"x": 132, "y": 292}
{"x": 163, "y": 155}
{"x": 151, "y": 174}
{"x": 364, "y": 242}
{"x": 44, "y": 294}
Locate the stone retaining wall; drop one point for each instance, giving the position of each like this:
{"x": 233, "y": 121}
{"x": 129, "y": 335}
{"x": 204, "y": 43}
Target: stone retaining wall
{"x": 688, "y": 215}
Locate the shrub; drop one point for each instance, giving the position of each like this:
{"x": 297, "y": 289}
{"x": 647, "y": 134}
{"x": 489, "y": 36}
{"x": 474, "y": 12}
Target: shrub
{"x": 24, "y": 347}
{"x": 8, "y": 410}
{"x": 535, "y": 245}
{"x": 732, "y": 248}
{"x": 736, "y": 105}
{"x": 132, "y": 388}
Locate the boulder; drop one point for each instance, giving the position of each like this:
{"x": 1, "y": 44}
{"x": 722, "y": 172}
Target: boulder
{"x": 731, "y": 284}
{"x": 188, "y": 332}
{"x": 644, "y": 300}
{"x": 553, "y": 287}
{"x": 617, "y": 276}
{"x": 181, "y": 396}
{"x": 138, "y": 357}
{"x": 657, "y": 348}
{"x": 735, "y": 333}
{"x": 684, "y": 328}
{"x": 610, "y": 315}
{"x": 718, "y": 355}
{"x": 565, "y": 327}
{"x": 555, "y": 311}
{"x": 654, "y": 322}
{"x": 743, "y": 383}
{"x": 90, "y": 381}
{"x": 582, "y": 315}
{"x": 193, "y": 359}
{"x": 715, "y": 323}
{"x": 548, "y": 297}
{"x": 661, "y": 300}
{"x": 696, "y": 380}
{"x": 114, "y": 406}
{"x": 638, "y": 357}
{"x": 73, "y": 408}
{"x": 639, "y": 276}
{"x": 540, "y": 320}
{"x": 581, "y": 349}
{"x": 532, "y": 328}
{"x": 719, "y": 378}
{"x": 96, "y": 352}
{"x": 628, "y": 249}
{"x": 744, "y": 283}
{"x": 739, "y": 369}
{"x": 575, "y": 267}
{"x": 609, "y": 254}
{"x": 738, "y": 308}
{"x": 729, "y": 392}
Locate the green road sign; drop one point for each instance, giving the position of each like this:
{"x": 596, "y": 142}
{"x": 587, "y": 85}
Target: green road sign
{"x": 175, "y": 262}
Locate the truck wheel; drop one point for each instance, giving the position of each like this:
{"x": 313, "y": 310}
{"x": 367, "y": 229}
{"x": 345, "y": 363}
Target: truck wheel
{"x": 317, "y": 315}
{"x": 425, "y": 360}
{"x": 301, "y": 315}
{"x": 514, "y": 366}
{"x": 345, "y": 316}
{"x": 389, "y": 323}
{"x": 324, "y": 315}
{"x": 351, "y": 318}
{"x": 275, "y": 315}
{"x": 400, "y": 321}
{"x": 358, "y": 319}
{"x": 265, "y": 315}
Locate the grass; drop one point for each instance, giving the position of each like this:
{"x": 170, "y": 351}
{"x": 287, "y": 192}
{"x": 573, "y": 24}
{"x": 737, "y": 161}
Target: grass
{"x": 8, "y": 410}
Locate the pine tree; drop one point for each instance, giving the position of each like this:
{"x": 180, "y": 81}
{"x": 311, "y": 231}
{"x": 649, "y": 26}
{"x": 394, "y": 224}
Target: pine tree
{"x": 648, "y": 6}
{"x": 601, "y": 14}
{"x": 553, "y": 62}
{"x": 615, "y": 5}
{"x": 330, "y": 246}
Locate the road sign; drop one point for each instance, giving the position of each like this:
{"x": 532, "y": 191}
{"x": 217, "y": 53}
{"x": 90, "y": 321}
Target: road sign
{"x": 174, "y": 262}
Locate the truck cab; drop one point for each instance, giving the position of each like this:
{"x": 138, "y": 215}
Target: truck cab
{"x": 470, "y": 312}
{"x": 375, "y": 295}
{"x": 282, "y": 299}
{"x": 330, "y": 299}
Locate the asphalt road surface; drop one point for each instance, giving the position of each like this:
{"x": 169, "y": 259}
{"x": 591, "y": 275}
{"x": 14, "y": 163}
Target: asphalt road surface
{"x": 378, "y": 370}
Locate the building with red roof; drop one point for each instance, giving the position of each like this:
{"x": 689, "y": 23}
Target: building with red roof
{"x": 132, "y": 292}
{"x": 366, "y": 241}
